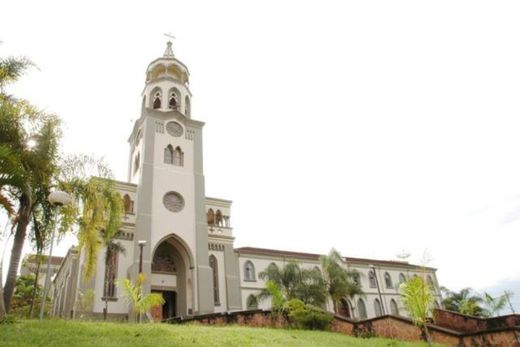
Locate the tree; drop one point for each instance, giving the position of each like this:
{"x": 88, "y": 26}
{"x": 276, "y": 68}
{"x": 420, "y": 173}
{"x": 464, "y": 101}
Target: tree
{"x": 135, "y": 296}
{"x": 278, "y": 297}
{"x": 25, "y": 285}
{"x": 42, "y": 227}
{"x": 11, "y": 69}
{"x": 306, "y": 285}
{"x": 417, "y": 298}
{"x": 340, "y": 283}
{"x": 11, "y": 172}
{"x": 36, "y": 147}
{"x": 11, "y": 175}
{"x": 39, "y": 258}
{"x": 312, "y": 290}
{"x": 495, "y": 304}
{"x": 464, "y": 301}
{"x": 98, "y": 209}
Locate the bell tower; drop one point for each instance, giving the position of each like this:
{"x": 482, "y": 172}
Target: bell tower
{"x": 166, "y": 164}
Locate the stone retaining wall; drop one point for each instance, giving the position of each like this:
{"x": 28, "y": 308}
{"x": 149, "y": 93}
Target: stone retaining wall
{"x": 465, "y": 323}
{"x": 393, "y": 327}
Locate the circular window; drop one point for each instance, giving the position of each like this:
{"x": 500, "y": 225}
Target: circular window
{"x": 173, "y": 201}
{"x": 174, "y": 129}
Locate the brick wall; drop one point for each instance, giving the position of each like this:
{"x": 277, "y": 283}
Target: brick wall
{"x": 469, "y": 324}
{"x": 393, "y": 327}
{"x": 342, "y": 325}
{"x": 509, "y": 337}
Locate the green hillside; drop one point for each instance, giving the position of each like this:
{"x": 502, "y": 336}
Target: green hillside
{"x": 74, "y": 333}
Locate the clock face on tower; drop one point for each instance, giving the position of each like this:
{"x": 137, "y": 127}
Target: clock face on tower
{"x": 174, "y": 129}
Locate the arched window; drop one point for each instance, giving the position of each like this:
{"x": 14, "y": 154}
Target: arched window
{"x": 218, "y": 218}
{"x": 357, "y": 279}
{"x": 211, "y": 217}
{"x": 393, "y": 308}
{"x": 136, "y": 162}
{"x": 214, "y": 267}
{"x": 377, "y": 308}
{"x": 109, "y": 289}
{"x": 252, "y": 302}
{"x": 388, "y": 280}
{"x": 187, "y": 107}
{"x": 372, "y": 279}
{"x": 344, "y": 309}
{"x": 178, "y": 157}
{"x": 362, "y": 309}
{"x": 163, "y": 260}
{"x": 168, "y": 155}
{"x": 128, "y": 204}
{"x": 429, "y": 280}
{"x": 157, "y": 100}
{"x": 249, "y": 271}
{"x": 402, "y": 278}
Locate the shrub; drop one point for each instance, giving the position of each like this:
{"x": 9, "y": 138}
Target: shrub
{"x": 306, "y": 316}
{"x": 8, "y": 319}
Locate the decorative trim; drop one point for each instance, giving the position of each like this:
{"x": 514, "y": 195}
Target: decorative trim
{"x": 190, "y": 134}
{"x": 124, "y": 235}
{"x": 159, "y": 127}
{"x": 215, "y": 247}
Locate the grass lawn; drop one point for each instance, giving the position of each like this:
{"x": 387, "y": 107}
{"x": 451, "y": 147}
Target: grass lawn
{"x": 90, "y": 334}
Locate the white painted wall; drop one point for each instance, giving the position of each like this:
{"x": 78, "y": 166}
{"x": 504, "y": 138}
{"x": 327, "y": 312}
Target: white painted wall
{"x": 371, "y": 294}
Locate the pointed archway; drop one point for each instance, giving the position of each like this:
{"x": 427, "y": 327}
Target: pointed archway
{"x": 172, "y": 277}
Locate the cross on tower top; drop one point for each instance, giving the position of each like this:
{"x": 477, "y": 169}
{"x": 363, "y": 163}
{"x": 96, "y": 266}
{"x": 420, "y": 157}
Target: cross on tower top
{"x": 170, "y": 36}
{"x": 168, "y": 53}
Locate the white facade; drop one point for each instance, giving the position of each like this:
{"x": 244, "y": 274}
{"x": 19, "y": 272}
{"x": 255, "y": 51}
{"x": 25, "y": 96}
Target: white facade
{"x": 188, "y": 254}
{"x": 375, "y": 291}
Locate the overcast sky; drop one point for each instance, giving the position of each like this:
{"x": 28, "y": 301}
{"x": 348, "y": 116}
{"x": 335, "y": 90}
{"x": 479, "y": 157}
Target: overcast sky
{"x": 368, "y": 126}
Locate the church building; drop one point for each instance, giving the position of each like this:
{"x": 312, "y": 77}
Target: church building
{"x": 184, "y": 240}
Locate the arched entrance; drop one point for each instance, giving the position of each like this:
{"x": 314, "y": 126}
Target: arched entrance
{"x": 171, "y": 277}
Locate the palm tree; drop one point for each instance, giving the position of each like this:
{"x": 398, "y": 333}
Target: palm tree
{"x": 42, "y": 226}
{"x": 340, "y": 282}
{"x": 100, "y": 219}
{"x": 417, "y": 298}
{"x": 293, "y": 282}
{"x": 495, "y": 304}
{"x": 11, "y": 175}
{"x": 464, "y": 302}
{"x": 286, "y": 278}
{"x": 38, "y": 165}
{"x": 24, "y": 168}
{"x": 135, "y": 296}
{"x": 313, "y": 289}
{"x": 99, "y": 207}
{"x": 11, "y": 69}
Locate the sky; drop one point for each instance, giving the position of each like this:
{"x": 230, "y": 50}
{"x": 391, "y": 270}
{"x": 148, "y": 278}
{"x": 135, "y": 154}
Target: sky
{"x": 373, "y": 127}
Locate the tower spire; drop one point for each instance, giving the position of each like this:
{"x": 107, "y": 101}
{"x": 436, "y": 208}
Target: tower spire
{"x": 168, "y": 53}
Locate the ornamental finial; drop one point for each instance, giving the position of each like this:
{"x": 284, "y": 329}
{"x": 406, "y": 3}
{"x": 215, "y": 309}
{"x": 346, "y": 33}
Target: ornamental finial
{"x": 168, "y": 53}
